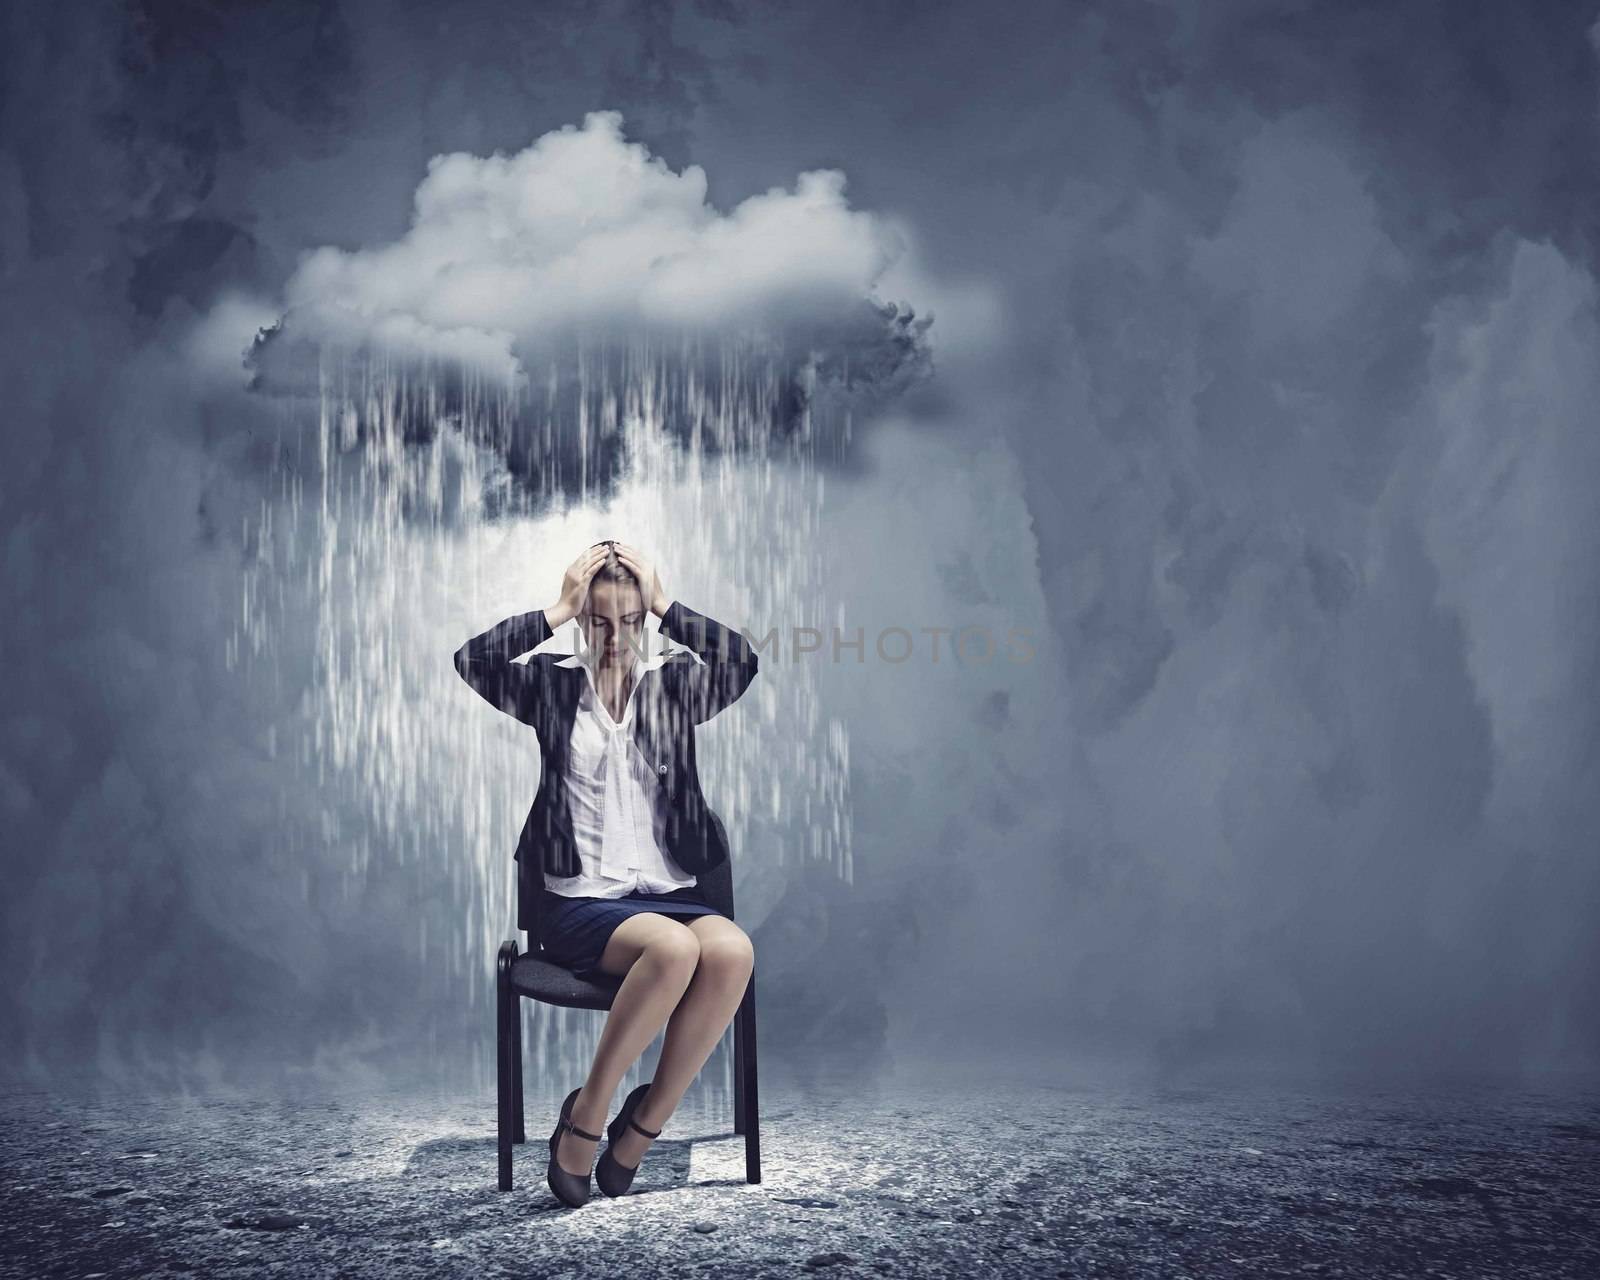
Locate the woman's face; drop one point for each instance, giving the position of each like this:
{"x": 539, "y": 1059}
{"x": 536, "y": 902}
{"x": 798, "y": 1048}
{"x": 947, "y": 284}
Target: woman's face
{"x": 613, "y": 622}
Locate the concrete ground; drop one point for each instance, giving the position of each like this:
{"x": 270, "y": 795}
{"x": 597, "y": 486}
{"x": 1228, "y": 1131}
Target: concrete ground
{"x": 887, "y": 1178}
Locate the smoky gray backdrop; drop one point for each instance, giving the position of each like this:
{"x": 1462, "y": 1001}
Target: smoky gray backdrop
{"x": 1252, "y": 376}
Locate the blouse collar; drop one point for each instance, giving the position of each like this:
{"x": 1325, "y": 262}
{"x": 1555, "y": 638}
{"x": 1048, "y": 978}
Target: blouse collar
{"x": 640, "y": 667}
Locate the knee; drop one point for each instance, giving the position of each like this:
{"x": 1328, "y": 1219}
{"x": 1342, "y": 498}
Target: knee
{"x": 730, "y": 953}
{"x": 676, "y": 949}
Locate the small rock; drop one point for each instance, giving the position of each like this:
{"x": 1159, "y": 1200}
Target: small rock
{"x": 808, "y": 1202}
{"x": 265, "y": 1222}
{"x": 828, "y": 1259}
{"x": 101, "y": 1193}
{"x": 704, "y": 1228}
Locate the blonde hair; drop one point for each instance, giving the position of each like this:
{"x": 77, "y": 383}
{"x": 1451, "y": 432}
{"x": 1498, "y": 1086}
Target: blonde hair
{"x": 613, "y": 570}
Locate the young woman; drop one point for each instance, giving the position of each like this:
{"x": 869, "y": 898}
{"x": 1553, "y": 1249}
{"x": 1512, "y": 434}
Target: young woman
{"x": 618, "y": 829}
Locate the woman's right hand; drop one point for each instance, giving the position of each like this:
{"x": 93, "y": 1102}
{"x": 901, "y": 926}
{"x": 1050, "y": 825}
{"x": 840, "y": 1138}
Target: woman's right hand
{"x": 575, "y": 585}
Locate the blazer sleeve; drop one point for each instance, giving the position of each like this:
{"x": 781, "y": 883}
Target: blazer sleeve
{"x": 729, "y": 667}
{"x": 486, "y": 663}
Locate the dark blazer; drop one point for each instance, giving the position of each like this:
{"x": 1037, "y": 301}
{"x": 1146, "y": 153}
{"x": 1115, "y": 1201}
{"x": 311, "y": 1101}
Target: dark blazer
{"x": 669, "y": 701}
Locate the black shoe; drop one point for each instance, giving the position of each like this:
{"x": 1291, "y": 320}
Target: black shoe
{"x": 572, "y": 1189}
{"x": 612, "y": 1176}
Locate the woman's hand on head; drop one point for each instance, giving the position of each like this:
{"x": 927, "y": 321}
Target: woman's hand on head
{"x": 636, "y": 562}
{"x": 575, "y": 586}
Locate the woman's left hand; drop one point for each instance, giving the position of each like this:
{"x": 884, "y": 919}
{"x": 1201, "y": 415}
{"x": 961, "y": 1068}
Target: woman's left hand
{"x": 656, "y": 599}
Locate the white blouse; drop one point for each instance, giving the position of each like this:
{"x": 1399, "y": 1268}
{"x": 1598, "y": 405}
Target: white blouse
{"x": 617, "y": 801}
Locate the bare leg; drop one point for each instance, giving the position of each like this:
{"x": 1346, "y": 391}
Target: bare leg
{"x": 657, "y": 956}
{"x": 727, "y": 959}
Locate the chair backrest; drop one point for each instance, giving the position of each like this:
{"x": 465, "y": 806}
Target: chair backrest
{"x": 715, "y": 886}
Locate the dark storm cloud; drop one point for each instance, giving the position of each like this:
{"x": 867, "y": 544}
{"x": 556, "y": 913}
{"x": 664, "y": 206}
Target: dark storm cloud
{"x": 546, "y": 273}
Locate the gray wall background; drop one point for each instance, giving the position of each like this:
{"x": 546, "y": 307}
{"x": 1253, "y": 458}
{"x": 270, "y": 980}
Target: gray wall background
{"x": 1265, "y": 385}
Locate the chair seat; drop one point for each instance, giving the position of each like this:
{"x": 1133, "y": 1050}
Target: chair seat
{"x": 531, "y": 975}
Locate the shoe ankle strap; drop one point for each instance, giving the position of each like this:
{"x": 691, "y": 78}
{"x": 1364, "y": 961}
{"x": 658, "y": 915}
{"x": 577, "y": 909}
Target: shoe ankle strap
{"x": 632, "y": 1123}
{"x": 592, "y": 1137}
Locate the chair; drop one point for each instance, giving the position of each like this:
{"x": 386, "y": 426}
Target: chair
{"x": 530, "y": 975}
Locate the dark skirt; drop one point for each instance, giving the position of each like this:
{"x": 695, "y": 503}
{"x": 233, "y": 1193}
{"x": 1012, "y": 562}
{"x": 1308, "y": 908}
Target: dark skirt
{"x": 574, "y": 931}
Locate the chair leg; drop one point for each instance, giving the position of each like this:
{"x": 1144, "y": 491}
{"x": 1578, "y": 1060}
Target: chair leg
{"x": 519, "y": 1132}
{"x": 503, "y": 1006}
{"x": 739, "y": 1125}
{"x": 746, "y": 1101}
